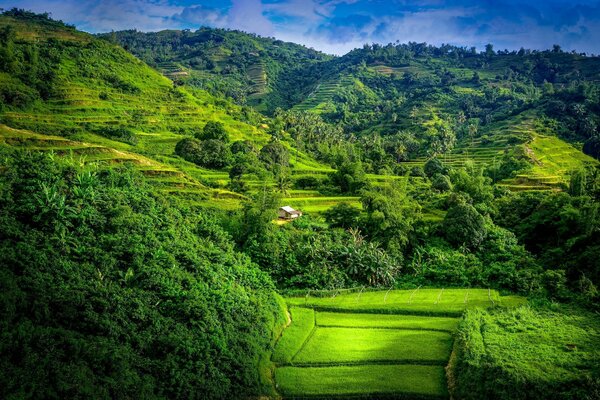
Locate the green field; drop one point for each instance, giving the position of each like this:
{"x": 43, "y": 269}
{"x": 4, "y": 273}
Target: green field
{"x": 442, "y": 302}
{"x": 374, "y": 345}
{"x": 411, "y": 380}
{"x": 391, "y": 344}
{"x": 333, "y": 319}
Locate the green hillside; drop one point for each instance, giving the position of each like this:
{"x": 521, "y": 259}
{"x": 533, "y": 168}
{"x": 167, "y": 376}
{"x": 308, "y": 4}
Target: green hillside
{"x": 247, "y": 68}
{"x": 421, "y": 100}
{"x": 114, "y": 109}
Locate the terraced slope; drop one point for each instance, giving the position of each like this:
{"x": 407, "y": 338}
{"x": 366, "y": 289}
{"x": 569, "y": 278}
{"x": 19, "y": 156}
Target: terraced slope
{"x": 551, "y": 158}
{"x": 323, "y": 93}
{"x": 99, "y": 88}
{"x": 382, "y": 344}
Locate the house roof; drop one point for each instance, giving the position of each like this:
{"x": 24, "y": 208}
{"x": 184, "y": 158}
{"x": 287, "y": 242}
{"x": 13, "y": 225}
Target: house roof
{"x": 289, "y": 210}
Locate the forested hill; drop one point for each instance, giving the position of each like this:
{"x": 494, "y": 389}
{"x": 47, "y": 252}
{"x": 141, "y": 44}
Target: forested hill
{"x": 391, "y": 89}
{"x": 245, "y": 67}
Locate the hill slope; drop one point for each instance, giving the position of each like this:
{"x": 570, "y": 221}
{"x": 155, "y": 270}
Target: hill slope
{"x": 245, "y": 67}
{"x": 422, "y": 100}
{"x": 113, "y": 108}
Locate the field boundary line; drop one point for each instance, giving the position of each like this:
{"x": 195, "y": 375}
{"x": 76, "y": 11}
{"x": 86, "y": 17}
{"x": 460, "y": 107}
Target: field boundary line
{"x": 385, "y": 311}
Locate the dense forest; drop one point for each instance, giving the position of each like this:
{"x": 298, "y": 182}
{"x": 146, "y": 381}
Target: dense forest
{"x": 140, "y": 179}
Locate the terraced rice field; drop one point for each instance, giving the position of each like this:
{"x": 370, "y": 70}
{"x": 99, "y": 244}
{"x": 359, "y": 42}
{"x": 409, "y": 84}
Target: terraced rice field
{"x": 552, "y": 159}
{"x": 322, "y": 93}
{"x": 258, "y": 77}
{"x": 382, "y": 344}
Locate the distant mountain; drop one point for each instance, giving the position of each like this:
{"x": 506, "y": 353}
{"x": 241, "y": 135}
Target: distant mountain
{"x": 248, "y": 68}
{"x": 376, "y": 88}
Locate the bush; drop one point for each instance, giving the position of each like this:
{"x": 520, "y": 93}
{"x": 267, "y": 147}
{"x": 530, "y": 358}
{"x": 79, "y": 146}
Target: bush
{"x": 274, "y": 155}
{"x": 214, "y": 130}
{"x": 434, "y": 167}
{"x": 441, "y": 183}
{"x": 417, "y": 172}
{"x": 464, "y": 226}
{"x": 522, "y": 354}
{"x": 342, "y": 215}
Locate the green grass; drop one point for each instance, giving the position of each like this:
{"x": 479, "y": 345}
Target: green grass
{"x": 446, "y": 302}
{"x": 332, "y": 319}
{"x": 415, "y": 380}
{"x": 374, "y": 345}
{"x": 292, "y": 339}
{"x": 528, "y": 353}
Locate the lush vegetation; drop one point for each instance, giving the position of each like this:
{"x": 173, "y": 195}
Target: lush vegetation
{"x": 109, "y": 291}
{"x": 547, "y": 352}
{"x": 138, "y": 247}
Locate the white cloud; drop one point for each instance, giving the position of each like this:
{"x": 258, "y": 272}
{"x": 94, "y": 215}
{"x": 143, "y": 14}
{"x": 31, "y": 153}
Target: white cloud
{"x": 248, "y": 15}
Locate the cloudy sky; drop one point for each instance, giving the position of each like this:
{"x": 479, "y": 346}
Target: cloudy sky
{"x": 337, "y": 26}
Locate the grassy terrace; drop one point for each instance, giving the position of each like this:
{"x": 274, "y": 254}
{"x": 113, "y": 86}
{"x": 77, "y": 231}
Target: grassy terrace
{"x": 381, "y": 344}
{"x": 317, "y": 100}
{"x": 551, "y": 158}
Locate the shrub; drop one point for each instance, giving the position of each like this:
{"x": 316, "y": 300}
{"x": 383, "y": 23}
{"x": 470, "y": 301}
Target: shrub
{"x": 434, "y": 167}
{"x": 464, "y": 226}
{"x": 307, "y": 182}
{"x": 342, "y": 215}
{"x": 213, "y": 130}
{"x": 274, "y": 154}
{"x": 441, "y": 183}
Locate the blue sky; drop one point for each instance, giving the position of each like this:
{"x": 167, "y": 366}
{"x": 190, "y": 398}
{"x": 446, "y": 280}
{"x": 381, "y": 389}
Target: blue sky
{"x": 337, "y": 26}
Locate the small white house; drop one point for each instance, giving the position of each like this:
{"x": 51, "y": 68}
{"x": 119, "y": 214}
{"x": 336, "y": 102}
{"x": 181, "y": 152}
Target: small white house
{"x": 287, "y": 212}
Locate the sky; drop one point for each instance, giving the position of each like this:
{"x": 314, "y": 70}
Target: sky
{"x": 337, "y": 26}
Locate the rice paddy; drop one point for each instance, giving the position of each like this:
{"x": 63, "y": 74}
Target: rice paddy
{"x": 379, "y": 344}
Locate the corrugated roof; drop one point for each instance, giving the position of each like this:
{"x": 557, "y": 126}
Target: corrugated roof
{"x": 287, "y": 209}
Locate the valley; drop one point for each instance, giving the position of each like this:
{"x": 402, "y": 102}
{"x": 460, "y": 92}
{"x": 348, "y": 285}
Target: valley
{"x": 447, "y": 241}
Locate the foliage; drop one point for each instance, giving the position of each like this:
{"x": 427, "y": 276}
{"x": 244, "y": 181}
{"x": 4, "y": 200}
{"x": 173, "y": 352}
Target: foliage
{"x": 433, "y": 167}
{"x": 209, "y": 153}
{"x": 464, "y": 226}
{"x": 526, "y": 353}
{"x": 274, "y": 155}
{"x": 391, "y": 215}
{"x": 342, "y": 215}
{"x": 214, "y": 130}
{"x": 110, "y": 291}
{"x": 349, "y": 177}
